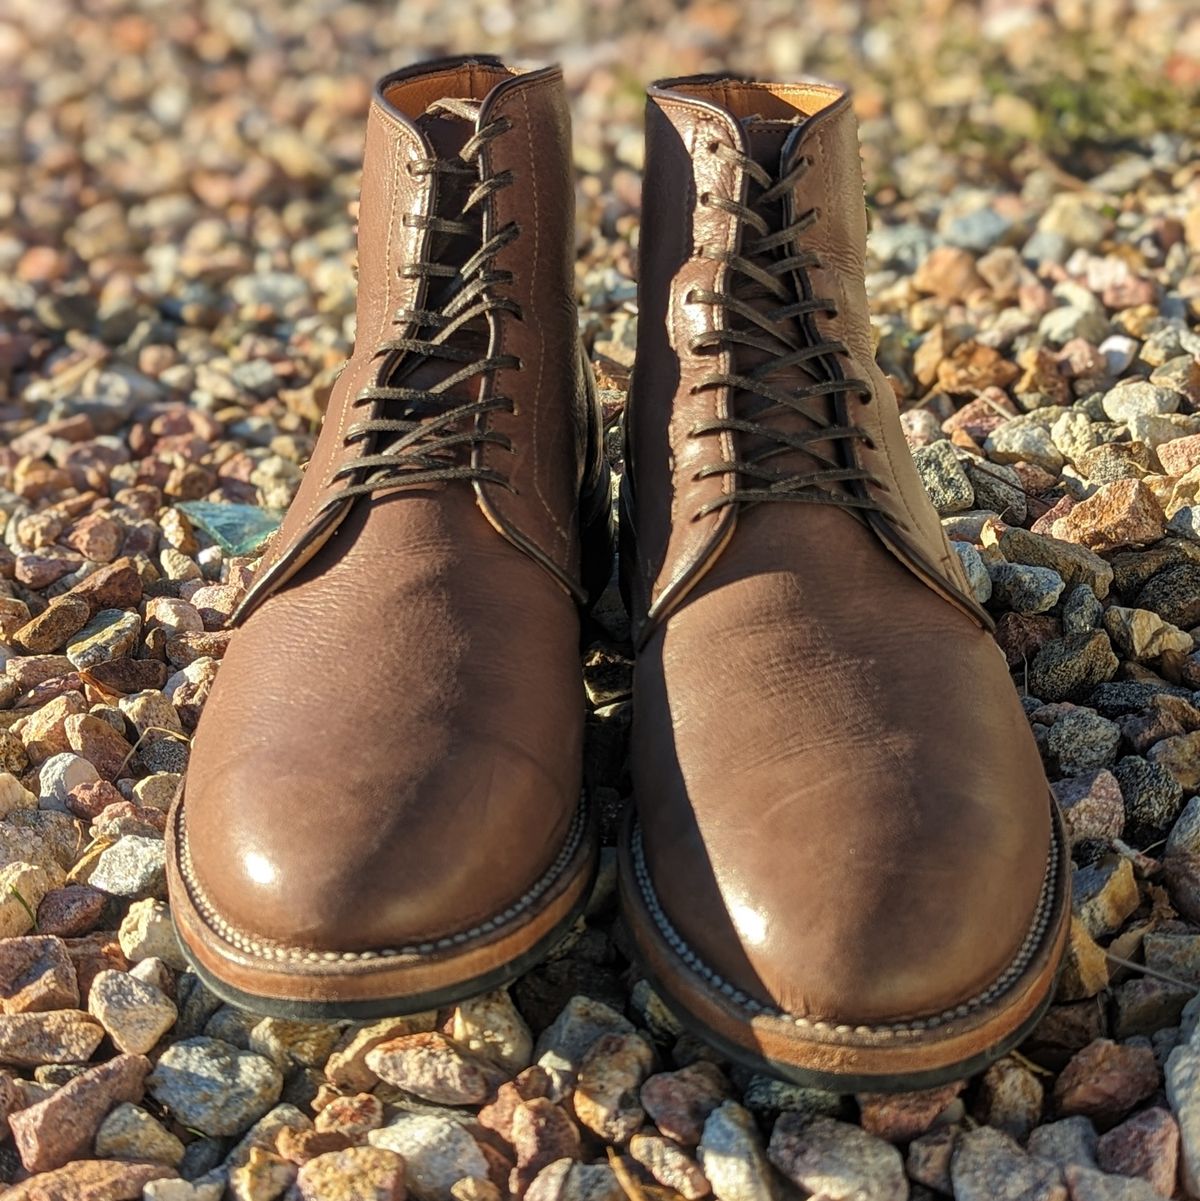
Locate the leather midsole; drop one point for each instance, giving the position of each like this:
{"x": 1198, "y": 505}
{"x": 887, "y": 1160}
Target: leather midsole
{"x": 844, "y": 1049}
{"x": 299, "y": 973}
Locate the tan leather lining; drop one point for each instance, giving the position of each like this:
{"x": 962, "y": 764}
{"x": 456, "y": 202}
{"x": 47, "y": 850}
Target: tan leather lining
{"x": 470, "y": 81}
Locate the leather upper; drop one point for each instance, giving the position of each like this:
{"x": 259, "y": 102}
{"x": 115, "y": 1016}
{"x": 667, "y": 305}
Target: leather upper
{"x": 392, "y": 750}
{"x": 558, "y": 414}
{"x": 843, "y": 810}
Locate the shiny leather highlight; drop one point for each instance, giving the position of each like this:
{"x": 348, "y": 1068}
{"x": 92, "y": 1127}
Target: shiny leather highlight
{"x": 840, "y": 806}
{"x": 387, "y": 773}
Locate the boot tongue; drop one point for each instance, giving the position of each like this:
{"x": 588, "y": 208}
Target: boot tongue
{"x": 448, "y": 124}
{"x": 765, "y": 140}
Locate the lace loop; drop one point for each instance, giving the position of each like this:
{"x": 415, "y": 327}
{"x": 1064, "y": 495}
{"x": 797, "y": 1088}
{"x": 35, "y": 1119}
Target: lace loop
{"x": 769, "y": 314}
{"x": 427, "y": 426}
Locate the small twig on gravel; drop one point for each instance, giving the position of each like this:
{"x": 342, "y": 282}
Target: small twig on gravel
{"x": 630, "y": 1185}
{"x": 152, "y": 730}
{"x": 1154, "y": 973}
{"x": 13, "y": 892}
{"x": 1035, "y": 1068}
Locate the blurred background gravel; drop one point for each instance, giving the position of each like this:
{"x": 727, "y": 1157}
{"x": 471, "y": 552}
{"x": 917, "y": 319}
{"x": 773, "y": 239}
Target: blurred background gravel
{"x": 177, "y": 193}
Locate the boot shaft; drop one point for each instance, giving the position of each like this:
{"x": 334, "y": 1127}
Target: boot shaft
{"x": 508, "y": 222}
{"x": 755, "y": 369}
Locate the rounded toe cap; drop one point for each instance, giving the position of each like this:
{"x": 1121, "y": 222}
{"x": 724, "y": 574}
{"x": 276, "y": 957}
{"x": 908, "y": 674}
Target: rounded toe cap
{"x": 312, "y": 862}
{"x": 861, "y": 838}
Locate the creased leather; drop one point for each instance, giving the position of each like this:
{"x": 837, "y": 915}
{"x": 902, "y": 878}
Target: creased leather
{"x": 388, "y": 191}
{"x": 392, "y": 750}
{"x": 843, "y": 809}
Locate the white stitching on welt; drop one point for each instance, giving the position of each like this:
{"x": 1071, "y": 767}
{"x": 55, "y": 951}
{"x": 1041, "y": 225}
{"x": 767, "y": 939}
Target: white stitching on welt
{"x": 695, "y": 964}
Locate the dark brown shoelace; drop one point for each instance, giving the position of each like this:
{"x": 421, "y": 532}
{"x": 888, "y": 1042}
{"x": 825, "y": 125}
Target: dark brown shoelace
{"x": 434, "y": 432}
{"x": 769, "y": 309}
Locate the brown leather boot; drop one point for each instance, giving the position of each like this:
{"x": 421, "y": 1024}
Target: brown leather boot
{"x": 846, "y": 866}
{"x": 383, "y": 809}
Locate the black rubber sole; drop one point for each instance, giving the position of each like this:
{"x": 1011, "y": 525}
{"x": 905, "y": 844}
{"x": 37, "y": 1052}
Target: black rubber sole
{"x": 384, "y": 1007}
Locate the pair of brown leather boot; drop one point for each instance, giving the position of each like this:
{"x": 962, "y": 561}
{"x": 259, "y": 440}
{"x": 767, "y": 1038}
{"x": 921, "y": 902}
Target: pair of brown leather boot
{"x": 846, "y": 864}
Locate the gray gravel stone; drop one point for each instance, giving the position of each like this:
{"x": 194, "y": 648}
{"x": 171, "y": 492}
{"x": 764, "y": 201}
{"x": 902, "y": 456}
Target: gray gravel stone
{"x": 1025, "y": 589}
{"x": 1139, "y": 399}
{"x": 1087, "y": 1185}
{"x": 1183, "y": 1094}
{"x": 134, "y": 1014}
{"x": 988, "y": 1165}
{"x": 1174, "y": 594}
{"x": 565, "y": 1180}
{"x": 732, "y": 1156}
{"x": 834, "y": 1160}
{"x": 147, "y": 932}
{"x": 129, "y": 1132}
{"x": 438, "y": 1151}
{"x": 943, "y": 477}
{"x": 264, "y": 1134}
{"x": 1074, "y": 434}
{"x": 1060, "y": 325}
{"x": 1083, "y": 741}
{"x": 134, "y": 866}
{"x": 1181, "y": 861}
{"x": 977, "y": 573}
{"x": 58, "y": 775}
{"x": 111, "y": 634}
{"x": 213, "y": 1087}
{"x": 1081, "y": 611}
{"x": 1152, "y": 796}
{"x": 1067, "y": 669}
{"x": 1024, "y": 444}
{"x": 563, "y": 1044}
{"x": 1076, "y": 564}
{"x": 998, "y": 488}
{"x": 1065, "y": 1142}
{"x": 1185, "y": 523}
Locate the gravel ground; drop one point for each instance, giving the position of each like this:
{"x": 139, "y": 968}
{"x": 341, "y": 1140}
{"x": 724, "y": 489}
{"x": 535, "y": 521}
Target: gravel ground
{"x": 176, "y": 293}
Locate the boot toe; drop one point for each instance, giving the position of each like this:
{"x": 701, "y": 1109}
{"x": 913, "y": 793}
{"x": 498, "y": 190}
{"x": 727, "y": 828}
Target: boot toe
{"x": 881, "y": 864}
{"x": 313, "y": 883}
{"x": 393, "y": 798}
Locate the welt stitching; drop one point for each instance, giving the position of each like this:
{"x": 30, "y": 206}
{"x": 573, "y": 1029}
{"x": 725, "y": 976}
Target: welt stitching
{"x": 697, "y": 966}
